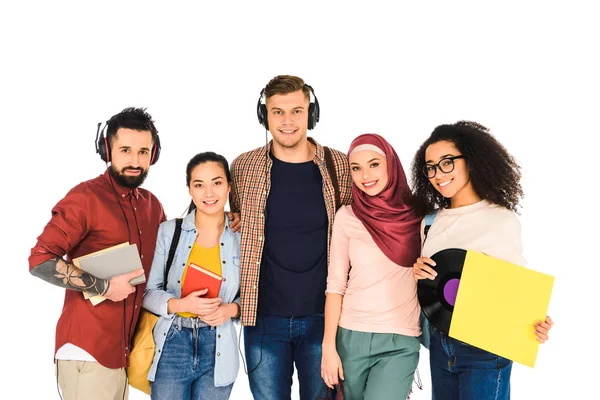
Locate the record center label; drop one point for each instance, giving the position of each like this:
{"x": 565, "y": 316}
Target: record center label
{"x": 450, "y": 291}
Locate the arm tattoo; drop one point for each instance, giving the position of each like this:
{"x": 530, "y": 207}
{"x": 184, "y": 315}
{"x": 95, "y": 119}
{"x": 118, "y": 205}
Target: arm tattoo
{"x": 60, "y": 273}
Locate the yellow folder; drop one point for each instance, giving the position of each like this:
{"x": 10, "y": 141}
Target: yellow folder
{"x": 497, "y": 306}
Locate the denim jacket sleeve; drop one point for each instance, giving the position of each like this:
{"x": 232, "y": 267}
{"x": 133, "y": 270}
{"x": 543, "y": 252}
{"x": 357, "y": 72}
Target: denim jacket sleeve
{"x": 155, "y": 297}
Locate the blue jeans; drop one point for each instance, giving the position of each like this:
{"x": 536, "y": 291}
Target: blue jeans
{"x": 463, "y": 372}
{"x": 186, "y": 367}
{"x": 274, "y": 345}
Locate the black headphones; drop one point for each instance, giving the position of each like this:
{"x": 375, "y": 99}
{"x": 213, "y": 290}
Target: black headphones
{"x": 103, "y": 148}
{"x": 313, "y": 110}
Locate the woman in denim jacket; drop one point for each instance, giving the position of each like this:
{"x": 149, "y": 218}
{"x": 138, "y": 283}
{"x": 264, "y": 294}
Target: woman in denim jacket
{"x": 196, "y": 341}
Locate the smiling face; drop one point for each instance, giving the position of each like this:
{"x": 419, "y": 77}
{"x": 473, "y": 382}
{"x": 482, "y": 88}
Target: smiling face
{"x": 369, "y": 171}
{"x": 454, "y": 185}
{"x": 209, "y": 188}
{"x": 287, "y": 115}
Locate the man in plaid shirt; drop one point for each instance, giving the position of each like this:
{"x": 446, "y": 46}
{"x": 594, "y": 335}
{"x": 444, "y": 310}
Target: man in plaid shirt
{"x": 287, "y": 201}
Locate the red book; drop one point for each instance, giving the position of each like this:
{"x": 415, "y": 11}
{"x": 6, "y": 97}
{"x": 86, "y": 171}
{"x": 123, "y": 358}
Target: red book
{"x": 198, "y": 278}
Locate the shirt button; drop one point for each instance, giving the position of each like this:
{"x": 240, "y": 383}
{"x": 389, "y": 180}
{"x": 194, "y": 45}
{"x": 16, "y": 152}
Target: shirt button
{"x": 136, "y": 306}
{"x": 122, "y": 195}
{"x": 183, "y": 264}
{"x": 254, "y": 287}
{"x": 140, "y": 232}
{"x": 218, "y": 354}
{"x": 222, "y": 244}
{"x": 224, "y": 262}
{"x": 224, "y": 279}
{"x": 142, "y": 256}
{"x": 257, "y": 263}
{"x": 260, "y": 238}
{"x": 219, "y": 336}
{"x": 134, "y": 209}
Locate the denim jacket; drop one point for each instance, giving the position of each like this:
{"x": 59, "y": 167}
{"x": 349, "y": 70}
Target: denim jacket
{"x": 155, "y": 298}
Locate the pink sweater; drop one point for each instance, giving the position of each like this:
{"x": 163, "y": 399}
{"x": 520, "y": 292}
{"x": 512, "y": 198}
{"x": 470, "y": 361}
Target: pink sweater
{"x": 379, "y": 296}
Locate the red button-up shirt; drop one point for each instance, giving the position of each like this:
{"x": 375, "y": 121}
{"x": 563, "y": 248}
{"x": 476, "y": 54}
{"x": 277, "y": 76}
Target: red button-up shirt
{"x": 91, "y": 217}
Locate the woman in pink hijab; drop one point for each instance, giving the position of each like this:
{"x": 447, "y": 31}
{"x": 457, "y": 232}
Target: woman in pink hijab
{"x": 372, "y": 311}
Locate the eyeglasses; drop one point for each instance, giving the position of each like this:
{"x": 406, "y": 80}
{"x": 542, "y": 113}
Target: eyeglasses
{"x": 445, "y": 165}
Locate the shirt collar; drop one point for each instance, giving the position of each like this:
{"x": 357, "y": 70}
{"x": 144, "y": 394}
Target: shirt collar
{"x": 319, "y": 153}
{"x": 189, "y": 223}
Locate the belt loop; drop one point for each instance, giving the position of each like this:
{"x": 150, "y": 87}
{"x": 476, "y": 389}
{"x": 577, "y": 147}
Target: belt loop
{"x": 195, "y": 328}
{"x": 178, "y": 319}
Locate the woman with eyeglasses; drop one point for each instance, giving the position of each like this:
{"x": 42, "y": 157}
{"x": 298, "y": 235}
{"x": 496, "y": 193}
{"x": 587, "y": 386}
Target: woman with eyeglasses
{"x": 465, "y": 174}
{"x": 371, "y": 310}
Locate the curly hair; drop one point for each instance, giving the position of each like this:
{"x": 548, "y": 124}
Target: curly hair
{"x": 494, "y": 173}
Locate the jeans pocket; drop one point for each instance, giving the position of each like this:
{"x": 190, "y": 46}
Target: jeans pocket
{"x": 171, "y": 333}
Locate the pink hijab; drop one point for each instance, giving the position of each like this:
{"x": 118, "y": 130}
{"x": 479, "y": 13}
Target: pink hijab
{"x": 393, "y": 224}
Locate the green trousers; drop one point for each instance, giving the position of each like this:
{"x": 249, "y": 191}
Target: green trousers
{"x": 377, "y": 366}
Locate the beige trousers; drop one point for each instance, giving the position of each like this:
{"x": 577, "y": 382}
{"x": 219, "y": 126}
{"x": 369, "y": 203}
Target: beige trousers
{"x": 86, "y": 380}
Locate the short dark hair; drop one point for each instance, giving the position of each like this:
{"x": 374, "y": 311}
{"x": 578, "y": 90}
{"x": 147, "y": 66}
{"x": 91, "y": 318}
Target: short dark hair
{"x": 131, "y": 118}
{"x": 284, "y": 84}
{"x": 494, "y": 173}
{"x": 202, "y": 158}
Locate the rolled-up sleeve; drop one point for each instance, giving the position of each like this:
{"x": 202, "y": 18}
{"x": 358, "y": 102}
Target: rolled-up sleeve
{"x": 69, "y": 224}
{"x": 339, "y": 263}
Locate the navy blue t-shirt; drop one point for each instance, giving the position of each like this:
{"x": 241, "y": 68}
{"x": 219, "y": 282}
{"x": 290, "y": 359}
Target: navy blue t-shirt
{"x": 293, "y": 271}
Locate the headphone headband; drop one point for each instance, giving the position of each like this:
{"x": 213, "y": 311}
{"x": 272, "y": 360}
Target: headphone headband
{"x": 103, "y": 146}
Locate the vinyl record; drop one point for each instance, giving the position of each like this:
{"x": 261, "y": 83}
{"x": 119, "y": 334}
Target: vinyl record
{"x": 437, "y": 296}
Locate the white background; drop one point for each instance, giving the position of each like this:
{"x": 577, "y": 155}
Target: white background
{"x": 529, "y": 71}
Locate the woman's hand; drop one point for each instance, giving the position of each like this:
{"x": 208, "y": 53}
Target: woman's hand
{"x": 542, "y": 328}
{"x": 331, "y": 366}
{"x": 196, "y": 304}
{"x": 221, "y": 314}
{"x": 421, "y": 269}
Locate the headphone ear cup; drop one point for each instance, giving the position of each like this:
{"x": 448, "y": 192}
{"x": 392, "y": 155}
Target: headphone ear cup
{"x": 311, "y": 116}
{"x": 313, "y": 110}
{"x": 261, "y": 111}
{"x": 155, "y": 151}
{"x": 263, "y": 116}
{"x": 106, "y": 156}
{"x": 102, "y": 148}
{"x": 101, "y": 144}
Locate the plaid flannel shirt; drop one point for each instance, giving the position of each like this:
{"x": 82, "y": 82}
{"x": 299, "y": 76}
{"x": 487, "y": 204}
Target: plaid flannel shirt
{"x": 251, "y": 174}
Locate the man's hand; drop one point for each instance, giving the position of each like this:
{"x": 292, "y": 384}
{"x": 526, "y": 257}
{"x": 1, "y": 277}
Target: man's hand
{"x": 119, "y": 287}
{"x": 235, "y": 221}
